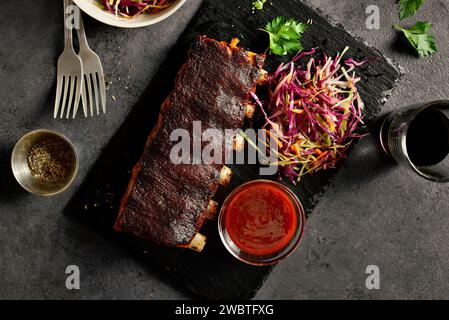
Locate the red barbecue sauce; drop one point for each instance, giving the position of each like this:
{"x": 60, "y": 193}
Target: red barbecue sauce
{"x": 261, "y": 219}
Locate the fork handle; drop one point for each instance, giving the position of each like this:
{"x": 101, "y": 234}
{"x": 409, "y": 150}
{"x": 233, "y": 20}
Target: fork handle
{"x": 82, "y": 39}
{"x": 68, "y": 26}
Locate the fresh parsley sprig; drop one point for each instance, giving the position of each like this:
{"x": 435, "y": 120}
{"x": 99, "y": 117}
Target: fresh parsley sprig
{"x": 408, "y": 8}
{"x": 420, "y": 38}
{"x": 258, "y": 4}
{"x": 418, "y": 35}
{"x": 285, "y": 35}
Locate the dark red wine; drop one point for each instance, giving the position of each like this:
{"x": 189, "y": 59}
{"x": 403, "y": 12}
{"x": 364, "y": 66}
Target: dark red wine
{"x": 428, "y": 138}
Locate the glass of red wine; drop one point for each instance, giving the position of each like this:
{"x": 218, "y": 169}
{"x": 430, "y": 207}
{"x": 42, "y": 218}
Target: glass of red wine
{"x": 418, "y": 136}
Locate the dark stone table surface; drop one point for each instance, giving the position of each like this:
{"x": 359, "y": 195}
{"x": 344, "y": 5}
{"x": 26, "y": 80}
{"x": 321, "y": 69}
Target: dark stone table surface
{"x": 375, "y": 213}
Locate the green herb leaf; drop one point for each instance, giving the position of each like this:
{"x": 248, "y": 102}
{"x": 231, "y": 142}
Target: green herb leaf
{"x": 408, "y": 8}
{"x": 285, "y": 35}
{"x": 420, "y": 38}
{"x": 258, "y": 4}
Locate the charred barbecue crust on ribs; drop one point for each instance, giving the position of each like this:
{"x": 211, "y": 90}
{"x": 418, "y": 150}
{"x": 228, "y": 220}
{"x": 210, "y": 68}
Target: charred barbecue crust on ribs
{"x": 167, "y": 203}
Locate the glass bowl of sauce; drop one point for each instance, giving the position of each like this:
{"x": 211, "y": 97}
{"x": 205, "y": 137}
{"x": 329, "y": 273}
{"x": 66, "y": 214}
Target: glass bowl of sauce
{"x": 261, "y": 222}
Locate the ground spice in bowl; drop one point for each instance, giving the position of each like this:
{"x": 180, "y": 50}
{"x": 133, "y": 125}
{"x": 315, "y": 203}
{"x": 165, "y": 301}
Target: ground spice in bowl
{"x": 51, "y": 161}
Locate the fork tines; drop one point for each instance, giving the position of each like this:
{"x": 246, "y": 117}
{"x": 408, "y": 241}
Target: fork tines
{"x": 94, "y": 93}
{"x": 68, "y": 89}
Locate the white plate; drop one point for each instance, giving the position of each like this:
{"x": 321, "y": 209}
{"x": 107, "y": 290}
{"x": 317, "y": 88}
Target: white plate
{"x": 90, "y": 7}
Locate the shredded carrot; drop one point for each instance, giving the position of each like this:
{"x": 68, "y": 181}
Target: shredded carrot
{"x": 295, "y": 148}
{"x": 234, "y": 42}
{"x": 321, "y": 155}
{"x": 280, "y": 145}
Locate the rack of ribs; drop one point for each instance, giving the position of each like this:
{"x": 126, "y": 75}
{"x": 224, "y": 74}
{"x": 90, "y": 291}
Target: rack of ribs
{"x": 168, "y": 203}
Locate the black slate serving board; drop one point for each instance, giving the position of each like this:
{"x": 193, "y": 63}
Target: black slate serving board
{"x": 215, "y": 274}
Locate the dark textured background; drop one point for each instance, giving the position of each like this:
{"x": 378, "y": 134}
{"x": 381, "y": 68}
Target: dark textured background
{"x": 375, "y": 213}
{"x": 98, "y": 201}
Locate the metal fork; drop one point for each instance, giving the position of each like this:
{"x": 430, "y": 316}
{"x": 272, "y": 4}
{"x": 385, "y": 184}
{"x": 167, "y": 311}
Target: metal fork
{"x": 70, "y": 73}
{"x": 93, "y": 76}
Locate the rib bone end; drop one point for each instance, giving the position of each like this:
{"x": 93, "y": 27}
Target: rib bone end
{"x": 263, "y": 78}
{"x": 249, "y": 111}
{"x": 211, "y": 210}
{"x": 238, "y": 143}
{"x": 225, "y": 176}
{"x": 198, "y": 242}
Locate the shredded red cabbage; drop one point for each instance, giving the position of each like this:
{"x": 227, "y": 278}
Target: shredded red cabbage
{"x": 133, "y": 8}
{"x": 313, "y": 112}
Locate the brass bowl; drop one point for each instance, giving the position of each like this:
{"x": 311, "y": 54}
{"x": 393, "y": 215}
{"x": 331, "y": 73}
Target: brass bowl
{"x": 22, "y": 173}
